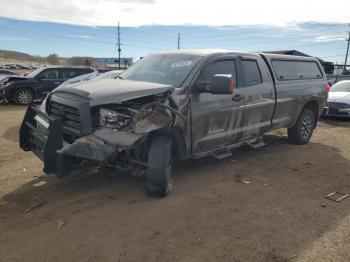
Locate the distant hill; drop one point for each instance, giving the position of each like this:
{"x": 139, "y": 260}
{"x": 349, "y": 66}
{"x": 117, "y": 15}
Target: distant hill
{"x": 13, "y": 56}
{"x": 7, "y": 56}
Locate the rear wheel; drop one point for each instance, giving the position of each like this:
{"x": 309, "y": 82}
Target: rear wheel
{"x": 301, "y": 132}
{"x": 159, "y": 174}
{"x": 24, "y": 97}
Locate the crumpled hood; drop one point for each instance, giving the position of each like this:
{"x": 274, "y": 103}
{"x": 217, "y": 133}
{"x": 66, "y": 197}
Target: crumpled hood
{"x": 340, "y": 97}
{"x": 108, "y": 91}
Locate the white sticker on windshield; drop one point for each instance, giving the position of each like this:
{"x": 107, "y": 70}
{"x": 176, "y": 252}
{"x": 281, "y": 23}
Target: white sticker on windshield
{"x": 181, "y": 64}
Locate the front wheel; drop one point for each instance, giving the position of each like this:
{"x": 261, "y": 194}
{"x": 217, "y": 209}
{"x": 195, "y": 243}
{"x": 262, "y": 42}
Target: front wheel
{"x": 301, "y": 132}
{"x": 159, "y": 174}
{"x": 24, "y": 97}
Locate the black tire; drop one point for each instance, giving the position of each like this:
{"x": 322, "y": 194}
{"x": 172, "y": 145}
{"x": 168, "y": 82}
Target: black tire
{"x": 301, "y": 132}
{"x": 159, "y": 174}
{"x": 24, "y": 97}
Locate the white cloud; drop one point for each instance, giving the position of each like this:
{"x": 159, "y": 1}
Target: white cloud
{"x": 329, "y": 38}
{"x": 179, "y": 12}
{"x": 12, "y": 38}
{"x": 80, "y": 36}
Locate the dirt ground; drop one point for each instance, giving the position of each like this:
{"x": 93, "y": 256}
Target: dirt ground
{"x": 281, "y": 215}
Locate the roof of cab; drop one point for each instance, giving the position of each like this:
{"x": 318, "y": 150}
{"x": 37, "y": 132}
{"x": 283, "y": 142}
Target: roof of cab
{"x": 208, "y": 52}
{"x": 201, "y": 52}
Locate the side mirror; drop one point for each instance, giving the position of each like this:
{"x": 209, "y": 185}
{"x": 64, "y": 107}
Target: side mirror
{"x": 219, "y": 84}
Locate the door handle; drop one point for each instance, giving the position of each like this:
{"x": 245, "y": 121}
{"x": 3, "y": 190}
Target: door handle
{"x": 57, "y": 83}
{"x": 237, "y": 98}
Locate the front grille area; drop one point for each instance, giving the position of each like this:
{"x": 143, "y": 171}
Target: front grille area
{"x": 335, "y": 105}
{"x": 333, "y": 108}
{"x": 70, "y": 116}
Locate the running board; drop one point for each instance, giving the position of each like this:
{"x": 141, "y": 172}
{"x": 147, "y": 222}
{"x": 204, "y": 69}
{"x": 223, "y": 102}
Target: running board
{"x": 221, "y": 153}
{"x": 225, "y": 151}
{"x": 256, "y": 142}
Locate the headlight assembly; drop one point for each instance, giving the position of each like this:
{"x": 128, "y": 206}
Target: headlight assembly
{"x": 113, "y": 119}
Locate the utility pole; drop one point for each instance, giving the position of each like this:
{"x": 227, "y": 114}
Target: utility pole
{"x": 347, "y": 53}
{"x": 178, "y": 41}
{"x": 119, "y": 49}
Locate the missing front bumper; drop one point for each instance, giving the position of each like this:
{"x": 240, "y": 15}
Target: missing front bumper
{"x": 43, "y": 135}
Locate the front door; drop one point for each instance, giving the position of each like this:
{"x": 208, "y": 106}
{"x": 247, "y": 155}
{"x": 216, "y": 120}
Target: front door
{"x": 216, "y": 119}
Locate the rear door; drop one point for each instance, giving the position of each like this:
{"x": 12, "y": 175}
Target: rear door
{"x": 259, "y": 97}
{"x": 49, "y": 80}
{"x": 68, "y": 73}
{"x": 217, "y": 118}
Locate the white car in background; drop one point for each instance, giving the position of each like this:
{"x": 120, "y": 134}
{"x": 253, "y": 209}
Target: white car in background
{"x": 338, "y": 103}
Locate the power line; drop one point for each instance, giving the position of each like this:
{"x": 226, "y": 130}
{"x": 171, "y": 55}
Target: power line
{"x": 73, "y": 38}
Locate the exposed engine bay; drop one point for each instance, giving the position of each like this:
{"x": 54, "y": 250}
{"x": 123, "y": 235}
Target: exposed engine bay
{"x": 141, "y": 115}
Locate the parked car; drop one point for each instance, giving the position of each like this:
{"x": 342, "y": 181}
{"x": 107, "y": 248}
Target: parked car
{"x": 339, "y": 100}
{"x": 37, "y": 84}
{"x": 91, "y": 76}
{"x": 175, "y": 105}
{"x": 79, "y": 79}
{"x": 6, "y": 73}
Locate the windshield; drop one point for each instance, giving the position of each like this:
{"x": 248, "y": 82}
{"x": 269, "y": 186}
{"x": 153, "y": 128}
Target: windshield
{"x": 341, "y": 87}
{"x": 34, "y": 73}
{"x": 111, "y": 74}
{"x": 168, "y": 69}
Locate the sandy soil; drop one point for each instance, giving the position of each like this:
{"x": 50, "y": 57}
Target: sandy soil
{"x": 281, "y": 215}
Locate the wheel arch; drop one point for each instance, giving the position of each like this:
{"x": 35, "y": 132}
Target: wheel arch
{"x": 179, "y": 149}
{"x": 314, "y": 106}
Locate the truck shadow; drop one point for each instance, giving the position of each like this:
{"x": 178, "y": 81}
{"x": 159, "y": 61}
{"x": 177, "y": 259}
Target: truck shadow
{"x": 260, "y": 205}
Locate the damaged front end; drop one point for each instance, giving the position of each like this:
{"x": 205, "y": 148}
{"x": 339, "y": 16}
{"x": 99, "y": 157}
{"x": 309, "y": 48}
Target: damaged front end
{"x": 65, "y": 137}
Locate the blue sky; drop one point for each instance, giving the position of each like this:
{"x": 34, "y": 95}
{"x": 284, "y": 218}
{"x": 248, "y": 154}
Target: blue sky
{"x": 325, "y": 40}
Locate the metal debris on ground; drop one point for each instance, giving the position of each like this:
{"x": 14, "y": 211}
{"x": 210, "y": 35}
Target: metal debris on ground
{"x": 337, "y": 196}
{"x": 41, "y": 183}
{"x": 34, "y": 207}
{"x": 243, "y": 181}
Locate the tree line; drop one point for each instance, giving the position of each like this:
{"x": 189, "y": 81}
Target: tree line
{"x": 54, "y": 59}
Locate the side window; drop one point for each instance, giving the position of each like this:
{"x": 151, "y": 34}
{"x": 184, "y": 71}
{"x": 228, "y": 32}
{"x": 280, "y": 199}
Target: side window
{"x": 296, "y": 70}
{"x": 69, "y": 73}
{"x": 251, "y": 72}
{"x": 49, "y": 74}
{"x": 83, "y": 71}
{"x": 226, "y": 67}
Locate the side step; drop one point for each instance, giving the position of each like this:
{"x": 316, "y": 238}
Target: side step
{"x": 256, "y": 142}
{"x": 225, "y": 152}
{"x": 221, "y": 153}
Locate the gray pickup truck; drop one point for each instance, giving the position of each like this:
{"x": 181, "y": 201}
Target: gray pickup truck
{"x": 175, "y": 105}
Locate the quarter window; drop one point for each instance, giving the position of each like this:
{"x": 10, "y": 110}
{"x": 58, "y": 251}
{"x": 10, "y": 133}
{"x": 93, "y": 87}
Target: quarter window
{"x": 296, "y": 70}
{"x": 251, "y": 72}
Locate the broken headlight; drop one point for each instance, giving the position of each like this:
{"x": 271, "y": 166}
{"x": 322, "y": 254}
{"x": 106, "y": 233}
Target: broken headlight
{"x": 114, "y": 119}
